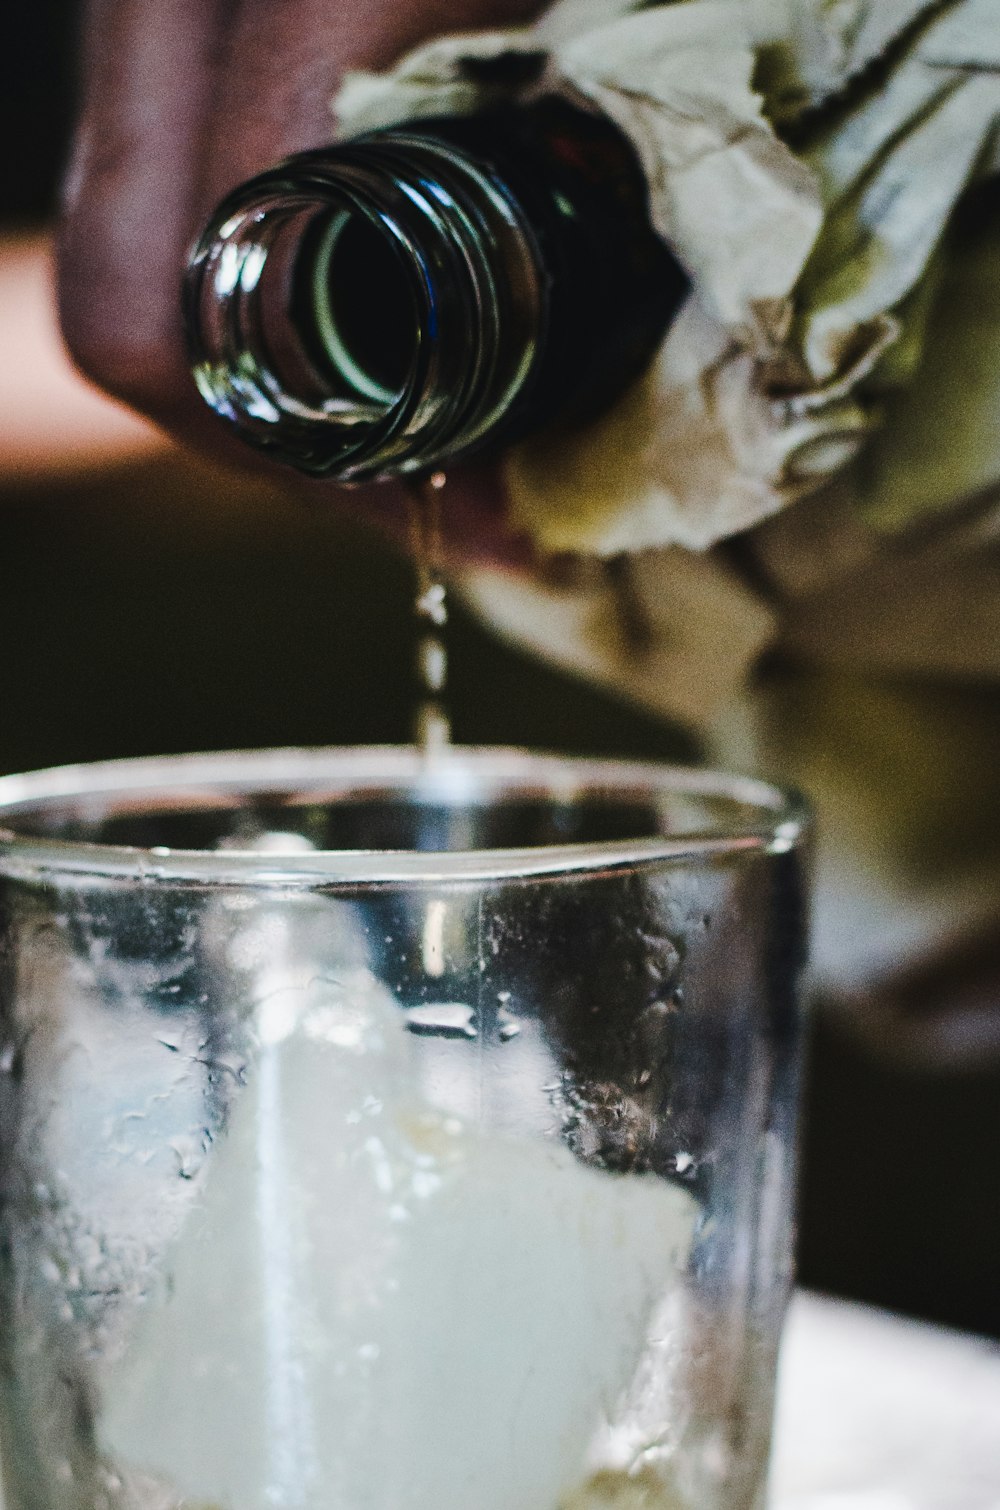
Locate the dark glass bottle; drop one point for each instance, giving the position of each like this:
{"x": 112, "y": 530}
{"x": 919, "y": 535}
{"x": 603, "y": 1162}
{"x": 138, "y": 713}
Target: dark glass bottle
{"x": 391, "y": 303}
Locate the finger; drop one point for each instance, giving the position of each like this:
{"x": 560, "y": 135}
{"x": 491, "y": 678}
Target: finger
{"x": 281, "y": 64}
{"x": 128, "y": 196}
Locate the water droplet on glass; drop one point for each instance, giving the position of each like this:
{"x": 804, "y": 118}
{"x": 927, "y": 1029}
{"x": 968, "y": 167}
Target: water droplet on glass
{"x": 662, "y": 959}
{"x": 508, "y": 1026}
{"x": 442, "y": 1019}
{"x": 190, "y": 1153}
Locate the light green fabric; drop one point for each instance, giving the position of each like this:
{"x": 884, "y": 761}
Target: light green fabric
{"x": 804, "y": 160}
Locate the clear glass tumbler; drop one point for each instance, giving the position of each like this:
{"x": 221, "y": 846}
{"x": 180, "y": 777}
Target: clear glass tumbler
{"x": 384, "y": 1135}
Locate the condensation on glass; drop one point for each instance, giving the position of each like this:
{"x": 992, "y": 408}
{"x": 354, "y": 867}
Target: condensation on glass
{"x": 384, "y": 1136}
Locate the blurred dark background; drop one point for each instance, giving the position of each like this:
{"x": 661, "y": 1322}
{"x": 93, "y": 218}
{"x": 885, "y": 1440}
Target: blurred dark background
{"x": 151, "y": 605}
{"x": 37, "y": 86}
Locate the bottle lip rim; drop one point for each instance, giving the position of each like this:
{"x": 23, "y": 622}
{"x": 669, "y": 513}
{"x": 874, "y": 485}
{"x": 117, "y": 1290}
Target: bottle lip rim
{"x": 273, "y": 195}
{"x": 764, "y": 818}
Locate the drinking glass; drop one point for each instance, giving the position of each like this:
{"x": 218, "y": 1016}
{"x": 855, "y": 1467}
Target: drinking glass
{"x": 382, "y": 1133}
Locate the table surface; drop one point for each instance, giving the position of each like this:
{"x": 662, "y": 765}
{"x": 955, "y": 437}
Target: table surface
{"x": 879, "y": 1413}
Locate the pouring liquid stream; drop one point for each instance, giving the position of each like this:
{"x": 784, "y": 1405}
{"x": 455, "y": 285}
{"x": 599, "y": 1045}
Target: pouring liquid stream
{"x": 432, "y": 725}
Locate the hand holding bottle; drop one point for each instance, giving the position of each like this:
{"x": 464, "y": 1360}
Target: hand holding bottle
{"x": 180, "y": 103}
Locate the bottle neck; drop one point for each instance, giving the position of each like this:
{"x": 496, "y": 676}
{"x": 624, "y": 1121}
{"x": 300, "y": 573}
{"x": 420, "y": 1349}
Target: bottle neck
{"x": 387, "y": 305}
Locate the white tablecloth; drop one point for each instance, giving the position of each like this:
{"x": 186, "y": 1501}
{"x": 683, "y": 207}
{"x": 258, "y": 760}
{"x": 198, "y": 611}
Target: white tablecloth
{"x": 876, "y": 1413}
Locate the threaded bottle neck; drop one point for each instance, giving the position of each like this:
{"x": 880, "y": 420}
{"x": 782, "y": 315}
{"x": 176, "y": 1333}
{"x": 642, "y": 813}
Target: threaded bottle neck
{"x": 389, "y": 304}
{"x": 367, "y": 310}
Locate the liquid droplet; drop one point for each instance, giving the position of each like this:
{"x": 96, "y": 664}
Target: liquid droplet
{"x": 442, "y": 1019}
{"x": 661, "y": 959}
{"x": 433, "y": 730}
{"x": 432, "y": 605}
{"x": 433, "y": 726}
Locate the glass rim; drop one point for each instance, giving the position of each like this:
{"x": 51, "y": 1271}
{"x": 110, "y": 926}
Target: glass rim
{"x": 779, "y": 822}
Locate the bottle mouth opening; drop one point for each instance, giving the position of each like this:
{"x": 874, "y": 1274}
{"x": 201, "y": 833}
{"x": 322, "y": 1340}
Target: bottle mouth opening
{"x": 366, "y": 314}
{"x": 361, "y": 315}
